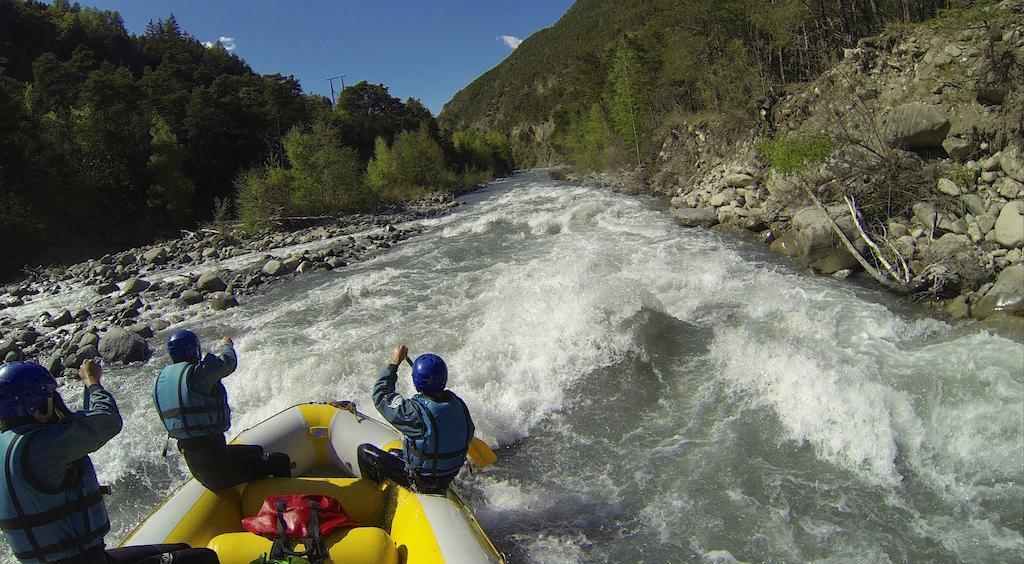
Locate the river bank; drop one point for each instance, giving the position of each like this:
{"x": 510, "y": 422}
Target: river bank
{"x": 111, "y": 306}
{"x": 904, "y": 162}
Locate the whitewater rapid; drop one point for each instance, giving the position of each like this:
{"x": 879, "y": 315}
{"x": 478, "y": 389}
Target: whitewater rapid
{"x": 658, "y": 394}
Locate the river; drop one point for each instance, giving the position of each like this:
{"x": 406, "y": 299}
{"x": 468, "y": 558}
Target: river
{"x": 658, "y": 394}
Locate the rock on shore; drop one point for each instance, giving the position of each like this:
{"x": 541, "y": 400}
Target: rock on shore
{"x": 130, "y": 296}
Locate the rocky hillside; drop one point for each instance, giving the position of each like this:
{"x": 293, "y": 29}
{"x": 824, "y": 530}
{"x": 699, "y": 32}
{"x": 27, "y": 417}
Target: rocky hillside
{"x": 918, "y": 131}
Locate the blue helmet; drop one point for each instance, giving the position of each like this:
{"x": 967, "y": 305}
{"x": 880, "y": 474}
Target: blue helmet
{"x": 429, "y": 373}
{"x": 184, "y": 346}
{"x": 23, "y": 387}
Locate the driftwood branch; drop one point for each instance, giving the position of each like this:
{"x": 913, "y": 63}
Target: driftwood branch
{"x": 893, "y": 273}
{"x": 868, "y": 267}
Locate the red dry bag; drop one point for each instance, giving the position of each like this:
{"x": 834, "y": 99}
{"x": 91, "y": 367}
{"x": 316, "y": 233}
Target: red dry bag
{"x": 308, "y": 518}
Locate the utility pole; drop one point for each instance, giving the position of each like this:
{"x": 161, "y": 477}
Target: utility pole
{"x": 331, "y": 81}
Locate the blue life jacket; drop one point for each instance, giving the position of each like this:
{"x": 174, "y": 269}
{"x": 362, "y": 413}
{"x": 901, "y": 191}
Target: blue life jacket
{"x": 186, "y": 413}
{"x": 442, "y": 450}
{"x": 43, "y": 525}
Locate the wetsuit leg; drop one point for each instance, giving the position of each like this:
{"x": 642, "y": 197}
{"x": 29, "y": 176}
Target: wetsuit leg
{"x": 161, "y": 553}
{"x": 376, "y": 464}
{"x": 255, "y": 464}
{"x": 218, "y": 465}
{"x": 207, "y": 458}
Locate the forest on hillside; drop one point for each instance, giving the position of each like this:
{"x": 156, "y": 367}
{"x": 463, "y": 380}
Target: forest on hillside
{"x": 111, "y": 139}
{"x": 601, "y": 87}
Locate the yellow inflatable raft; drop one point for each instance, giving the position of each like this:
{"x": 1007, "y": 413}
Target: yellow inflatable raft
{"x": 398, "y": 526}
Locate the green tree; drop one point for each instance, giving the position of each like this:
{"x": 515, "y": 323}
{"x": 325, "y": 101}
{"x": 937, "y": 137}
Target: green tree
{"x": 419, "y": 161}
{"x": 263, "y": 193}
{"x": 381, "y": 172}
{"x": 630, "y": 115}
{"x": 170, "y": 187}
{"x": 327, "y": 176}
{"x": 594, "y": 139}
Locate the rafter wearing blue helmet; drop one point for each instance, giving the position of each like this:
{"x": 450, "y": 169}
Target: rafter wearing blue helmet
{"x": 435, "y": 424}
{"x": 51, "y": 504}
{"x": 193, "y": 405}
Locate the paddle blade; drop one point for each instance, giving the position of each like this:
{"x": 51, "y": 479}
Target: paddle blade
{"x": 481, "y": 454}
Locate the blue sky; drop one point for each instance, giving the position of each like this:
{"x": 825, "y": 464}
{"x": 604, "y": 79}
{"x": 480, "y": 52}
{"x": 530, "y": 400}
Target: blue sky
{"x": 428, "y": 49}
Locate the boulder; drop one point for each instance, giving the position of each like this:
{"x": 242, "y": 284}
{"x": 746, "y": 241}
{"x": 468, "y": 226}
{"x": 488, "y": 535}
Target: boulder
{"x": 191, "y": 297}
{"x": 134, "y": 285}
{"x": 958, "y": 308}
{"x": 695, "y": 217}
{"x": 992, "y": 163}
{"x": 155, "y": 256}
{"x": 925, "y": 214}
{"x": 28, "y": 336}
{"x": 949, "y": 245}
{"x": 304, "y": 266}
{"x": 210, "y": 282}
{"x": 274, "y": 267}
{"x": 7, "y": 346}
{"x": 1011, "y": 160}
{"x": 986, "y": 223}
{"x": 85, "y": 353}
{"x": 952, "y": 224}
{"x": 89, "y": 339}
{"x": 220, "y": 301}
{"x": 723, "y": 197}
{"x": 917, "y": 126}
{"x": 1009, "y": 188}
{"x": 739, "y": 180}
{"x": 1006, "y": 295}
{"x": 61, "y": 320}
{"x": 948, "y": 187}
{"x": 54, "y": 364}
{"x": 1009, "y": 227}
{"x": 958, "y": 148}
{"x": 817, "y": 243}
{"x": 141, "y": 329}
{"x": 974, "y": 203}
{"x": 119, "y": 345}
{"x": 107, "y": 288}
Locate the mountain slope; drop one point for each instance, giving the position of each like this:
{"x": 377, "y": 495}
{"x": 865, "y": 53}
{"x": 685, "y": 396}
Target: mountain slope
{"x": 599, "y": 84}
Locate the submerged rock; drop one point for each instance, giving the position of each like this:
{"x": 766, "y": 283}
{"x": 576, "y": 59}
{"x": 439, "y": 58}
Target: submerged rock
{"x": 220, "y": 301}
{"x": 134, "y": 285}
{"x": 1006, "y": 295}
{"x": 118, "y": 345}
{"x": 210, "y": 282}
{"x": 695, "y": 217}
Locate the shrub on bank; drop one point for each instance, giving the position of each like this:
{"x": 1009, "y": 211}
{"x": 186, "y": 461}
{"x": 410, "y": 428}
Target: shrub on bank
{"x": 792, "y": 153}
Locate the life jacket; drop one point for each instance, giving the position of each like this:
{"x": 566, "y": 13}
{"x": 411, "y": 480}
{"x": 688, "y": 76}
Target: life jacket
{"x": 442, "y": 450}
{"x": 43, "y": 525}
{"x": 186, "y": 413}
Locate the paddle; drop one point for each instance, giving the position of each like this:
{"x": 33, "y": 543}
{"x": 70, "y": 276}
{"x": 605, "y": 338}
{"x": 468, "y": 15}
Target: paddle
{"x": 481, "y": 454}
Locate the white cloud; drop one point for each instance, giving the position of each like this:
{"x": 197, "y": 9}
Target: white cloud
{"x": 228, "y": 43}
{"x": 511, "y": 40}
